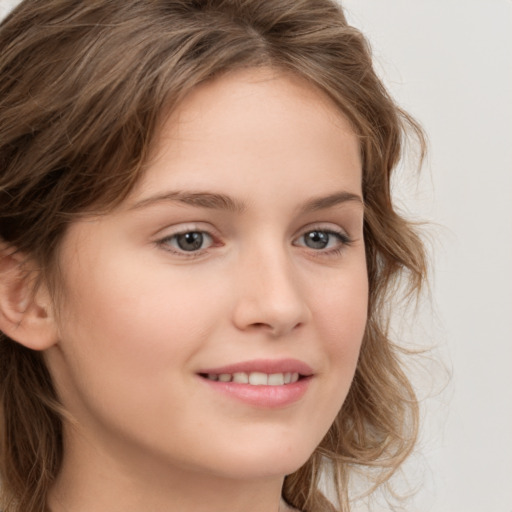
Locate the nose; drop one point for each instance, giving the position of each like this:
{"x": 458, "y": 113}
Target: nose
{"x": 270, "y": 297}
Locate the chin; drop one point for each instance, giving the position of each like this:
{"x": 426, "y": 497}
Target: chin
{"x": 272, "y": 461}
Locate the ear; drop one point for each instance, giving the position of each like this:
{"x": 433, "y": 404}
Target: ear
{"x": 26, "y": 316}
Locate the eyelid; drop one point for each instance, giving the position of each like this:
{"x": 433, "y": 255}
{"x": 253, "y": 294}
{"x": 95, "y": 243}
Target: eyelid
{"x": 328, "y": 227}
{"x": 163, "y": 236}
{"x": 185, "y": 227}
{"x": 344, "y": 238}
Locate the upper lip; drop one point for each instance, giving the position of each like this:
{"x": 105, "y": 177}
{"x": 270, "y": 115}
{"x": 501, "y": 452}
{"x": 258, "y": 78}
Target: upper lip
{"x": 268, "y": 366}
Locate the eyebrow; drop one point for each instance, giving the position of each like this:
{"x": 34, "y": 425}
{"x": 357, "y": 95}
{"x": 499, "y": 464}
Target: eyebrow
{"x": 224, "y": 202}
{"x": 322, "y": 203}
{"x": 199, "y": 199}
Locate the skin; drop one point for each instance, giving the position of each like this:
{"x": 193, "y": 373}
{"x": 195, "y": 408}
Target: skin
{"x": 141, "y": 317}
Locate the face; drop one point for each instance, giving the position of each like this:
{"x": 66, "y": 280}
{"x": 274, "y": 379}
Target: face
{"x": 213, "y": 321}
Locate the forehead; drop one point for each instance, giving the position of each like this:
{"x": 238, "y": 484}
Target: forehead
{"x": 252, "y": 121}
{"x": 246, "y": 87}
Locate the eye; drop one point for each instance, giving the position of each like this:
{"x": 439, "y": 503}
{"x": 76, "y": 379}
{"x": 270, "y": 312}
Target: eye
{"x": 323, "y": 239}
{"x": 189, "y": 241}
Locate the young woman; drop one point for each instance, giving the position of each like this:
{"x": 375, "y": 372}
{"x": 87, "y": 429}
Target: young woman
{"x": 197, "y": 241}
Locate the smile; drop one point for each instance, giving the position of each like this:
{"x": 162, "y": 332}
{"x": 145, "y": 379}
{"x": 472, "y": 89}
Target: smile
{"x": 261, "y": 383}
{"x": 255, "y": 378}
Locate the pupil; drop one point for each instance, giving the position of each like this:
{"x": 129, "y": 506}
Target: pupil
{"x": 317, "y": 239}
{"x": 190, "y": 241}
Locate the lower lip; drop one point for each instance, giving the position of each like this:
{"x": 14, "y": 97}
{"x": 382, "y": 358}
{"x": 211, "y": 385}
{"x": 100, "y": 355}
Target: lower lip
{"x": 262, "y": 396}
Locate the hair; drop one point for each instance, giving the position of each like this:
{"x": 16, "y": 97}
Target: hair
{"x": 83, "y": 89}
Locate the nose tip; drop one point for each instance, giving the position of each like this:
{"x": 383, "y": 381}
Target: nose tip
{"x": 270, "y": 300}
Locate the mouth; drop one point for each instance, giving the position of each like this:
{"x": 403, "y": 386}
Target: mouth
{"x": 261, "y": 383}
{"x": 255, "y": 378}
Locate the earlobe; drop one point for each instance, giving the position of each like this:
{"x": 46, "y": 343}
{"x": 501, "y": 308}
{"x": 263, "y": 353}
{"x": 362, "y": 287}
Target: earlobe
{"x": 26, "y": 316}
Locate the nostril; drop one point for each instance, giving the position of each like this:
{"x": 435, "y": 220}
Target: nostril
{"x": 270, "y": 313}
{"x": 261, "y": 325}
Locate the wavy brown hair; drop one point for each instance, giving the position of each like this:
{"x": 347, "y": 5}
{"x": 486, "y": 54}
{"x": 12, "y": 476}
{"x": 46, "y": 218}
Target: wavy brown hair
{"x": 83, "y": 88}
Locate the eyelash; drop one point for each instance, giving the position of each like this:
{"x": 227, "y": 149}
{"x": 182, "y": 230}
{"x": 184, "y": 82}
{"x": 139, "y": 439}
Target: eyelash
{"x": 343, "y": 239}
{"x": 165, "y": 243}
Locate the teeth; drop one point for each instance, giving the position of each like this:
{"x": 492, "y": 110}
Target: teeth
{"x": 256, "y": 378}
{"x": 241, "y": 377}
{"x": 276, "y": 379}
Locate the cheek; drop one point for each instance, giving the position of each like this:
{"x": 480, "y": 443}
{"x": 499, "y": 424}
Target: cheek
{"x": 342, "y": 314}
{"x": 342, "y": 309}
{"x": 122, "y": 297}
{"x": 127, "y": 339}
{"x": 129, "y": 327}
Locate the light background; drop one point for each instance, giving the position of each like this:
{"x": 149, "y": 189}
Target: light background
{"x": 449, "y": 62}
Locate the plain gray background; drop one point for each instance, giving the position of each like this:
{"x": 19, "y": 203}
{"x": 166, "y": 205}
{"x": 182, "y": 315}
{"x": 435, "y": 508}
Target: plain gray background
{"x": 449, "y": 62}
